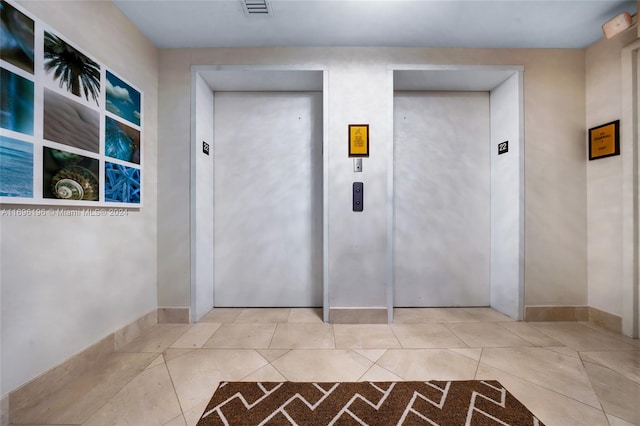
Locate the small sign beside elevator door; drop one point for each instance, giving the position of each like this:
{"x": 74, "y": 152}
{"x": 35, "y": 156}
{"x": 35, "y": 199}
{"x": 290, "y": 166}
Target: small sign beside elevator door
{"x": 503, "y": 147}
{"x": 205, "y": 147}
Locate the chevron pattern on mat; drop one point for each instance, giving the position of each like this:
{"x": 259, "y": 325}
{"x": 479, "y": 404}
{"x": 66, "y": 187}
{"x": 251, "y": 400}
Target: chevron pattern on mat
{"x": 469, "y": 403}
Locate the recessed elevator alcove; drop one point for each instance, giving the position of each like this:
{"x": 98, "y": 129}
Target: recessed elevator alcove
{"x": 457, "y": 203}
{"x": 257, "y": 225}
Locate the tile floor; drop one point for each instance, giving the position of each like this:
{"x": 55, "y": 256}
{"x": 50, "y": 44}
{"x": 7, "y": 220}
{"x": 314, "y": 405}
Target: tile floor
{"x": 565, "y": 373}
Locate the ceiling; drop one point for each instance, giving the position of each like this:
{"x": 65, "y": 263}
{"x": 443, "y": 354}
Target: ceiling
{"x": 406, "y": 23}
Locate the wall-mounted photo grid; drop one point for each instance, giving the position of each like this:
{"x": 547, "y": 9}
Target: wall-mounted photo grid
{"x": 70, "y": 128}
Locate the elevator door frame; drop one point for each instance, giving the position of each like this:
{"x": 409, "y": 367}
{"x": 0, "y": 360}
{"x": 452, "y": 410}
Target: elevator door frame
{"x": 253, "y": 78}
{"x": 456, "y": 78}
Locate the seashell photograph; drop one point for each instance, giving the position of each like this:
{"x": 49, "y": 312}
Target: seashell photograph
{"x": 69, "y": 176}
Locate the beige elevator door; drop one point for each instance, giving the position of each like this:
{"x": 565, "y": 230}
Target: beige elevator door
{"x": 442, "y": 191}
{"x": 268, "y": 199}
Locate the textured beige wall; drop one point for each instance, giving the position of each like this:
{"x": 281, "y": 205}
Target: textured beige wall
{"x": 604, "y": 176}
{"x": 555, "y": 167}
{"x": 67, "y": 282}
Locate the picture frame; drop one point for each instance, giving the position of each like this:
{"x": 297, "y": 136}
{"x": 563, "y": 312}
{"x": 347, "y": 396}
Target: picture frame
{"x": 604, "y": 140}
{"x": 71, "y": 138}
{"x": 358, "y": 140}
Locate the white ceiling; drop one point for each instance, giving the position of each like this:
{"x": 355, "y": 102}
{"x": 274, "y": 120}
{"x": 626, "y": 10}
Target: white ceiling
{"x": 407, "y": 23}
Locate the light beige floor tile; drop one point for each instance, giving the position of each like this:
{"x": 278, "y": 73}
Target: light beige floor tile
{"x": 585, "y": 358}
{"x": 303, "y": 336}
{"x": 149, "y": 399}
{"x": 242, "y": 336}
{"x": 75, "y": 403}
{"x": 581, "y": 337}
{"x": 550, "y": 407}
{"x": 176, "y": 421}
{"x": 564, "y": 351}
{"x": 158, "y": 361}
{"x": 170, "y": 353}
{"x": 272, "y": 354}
{"x": 157, "y": 338}
{"x": 486, "y": 335}
{"x": 473, "y": 353}
{"x": 263, "y": 315}
{"x": 371, "y": 354}
{"x": 379, "y": 374}
{"x": 196, "y": 336}
{"x": 222, "y": 315}
{"x": 619, "y": 395}
{"x": 364, "y": 336}
{"x": 416, "y": 336}
{"x": 305, "y": 315}
{"x": 197, "y": 374}
{"x": 626, "y": 363}
{"x": 616, "y": 421}
{"x": 549, "y": 369}
{"x": 530, "y": 334}
{"x": 266, "y": 374}
{"x": 428, "y": 364}
{"x": 623, "y": 338}
{"x": 322, "y": 365}
{"x": 486, "y": 314}
{"x": 193, "y": 415}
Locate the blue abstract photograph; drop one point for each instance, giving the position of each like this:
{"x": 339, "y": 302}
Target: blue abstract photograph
{"x": 16, "y": 37}
{"x": 121, "y": 141}
{"x": 122, "y": 99}
{"x": 16, "y": 168}
{"x": 16, "y": 103}
{"x": 122, "y": 183}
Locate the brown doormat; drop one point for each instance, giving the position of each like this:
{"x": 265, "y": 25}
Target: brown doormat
{"x": 471, "y": 402}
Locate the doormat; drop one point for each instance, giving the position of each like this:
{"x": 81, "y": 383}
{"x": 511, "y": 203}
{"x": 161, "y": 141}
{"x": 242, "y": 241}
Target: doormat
{"x": 471, "y": 402}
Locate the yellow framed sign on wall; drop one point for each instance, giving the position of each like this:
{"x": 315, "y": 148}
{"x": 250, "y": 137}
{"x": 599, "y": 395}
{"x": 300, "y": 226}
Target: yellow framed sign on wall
{"x": 604, "y": 140}
{"x": 358, "y": 140}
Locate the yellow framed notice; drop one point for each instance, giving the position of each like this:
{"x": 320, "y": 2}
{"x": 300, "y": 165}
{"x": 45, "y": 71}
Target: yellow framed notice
{"x": 358, "y": 140}
{"x": 604, "y": 140}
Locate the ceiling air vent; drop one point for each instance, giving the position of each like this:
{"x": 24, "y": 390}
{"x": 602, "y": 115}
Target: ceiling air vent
{"x": 256, "y": 7}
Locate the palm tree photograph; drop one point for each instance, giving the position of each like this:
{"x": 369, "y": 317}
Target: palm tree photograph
{"x": 71, "y": 68}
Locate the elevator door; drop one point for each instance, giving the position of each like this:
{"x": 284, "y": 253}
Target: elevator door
{"x": 268, "y": 199}
{"x": 441, "y": 199}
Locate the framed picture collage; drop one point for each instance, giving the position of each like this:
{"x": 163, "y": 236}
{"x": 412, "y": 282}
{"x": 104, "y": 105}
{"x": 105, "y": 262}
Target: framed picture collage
{"x": 71, "y": 129}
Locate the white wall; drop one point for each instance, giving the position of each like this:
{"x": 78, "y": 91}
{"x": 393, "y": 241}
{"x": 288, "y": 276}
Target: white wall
{"x": 604, "y": 176}
{"x": 358, "y": 88}
{"x": 67, "y": 282}
{"x": 203, "y": 196}
{"x": 506, "y": 197}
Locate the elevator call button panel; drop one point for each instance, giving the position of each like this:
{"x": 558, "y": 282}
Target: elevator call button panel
{"x": 358, "y": 196}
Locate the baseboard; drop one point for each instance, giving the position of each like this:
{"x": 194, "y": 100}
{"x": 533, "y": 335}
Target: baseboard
{"x": 58, "y": 377}
{"x": 556, "y": 313}
{"x": 4, "y": 411}
{"x": 173, "y": 316}
{"x": 358, "y": 315}
{"x": 605, "y": 320}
